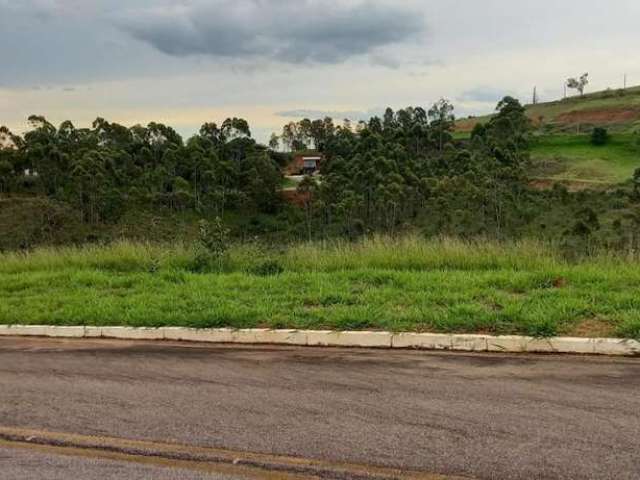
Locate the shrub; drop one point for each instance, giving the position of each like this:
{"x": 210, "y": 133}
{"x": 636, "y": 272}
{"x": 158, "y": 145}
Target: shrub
{"x": 636, "y": 140}
{"x": 267, "y": 269}
{"x": 211, "y": 246}
{"x": 479, "y": 130}
{"x": 599, "y": 136}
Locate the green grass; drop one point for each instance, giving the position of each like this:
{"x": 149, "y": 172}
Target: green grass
{"x": 288, "y": 183}
{"x": 401, "y": 285}
{"x": 574, "y": 158}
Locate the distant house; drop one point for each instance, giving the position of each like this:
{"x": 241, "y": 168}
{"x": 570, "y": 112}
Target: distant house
{"x": 307, "y": 163}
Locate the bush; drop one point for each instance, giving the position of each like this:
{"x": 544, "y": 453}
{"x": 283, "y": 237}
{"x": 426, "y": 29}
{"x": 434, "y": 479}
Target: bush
{"x": 211, "y": 246}
{"x": 636, "y": 140}
{"x": 267, "y": 269}
{"x": 599, "y": 136}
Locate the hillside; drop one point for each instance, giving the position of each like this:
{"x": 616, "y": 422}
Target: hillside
{"x": 561, "y": 150}
{"x": 575, "y": 162}
{"x": 618, "y": 110}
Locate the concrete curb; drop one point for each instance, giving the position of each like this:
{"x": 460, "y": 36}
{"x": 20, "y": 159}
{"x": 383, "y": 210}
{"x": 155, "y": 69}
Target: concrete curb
{"x": 328, "y": 338}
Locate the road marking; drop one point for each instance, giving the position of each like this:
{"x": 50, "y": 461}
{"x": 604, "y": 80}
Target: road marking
{"x": 252, "y": 466}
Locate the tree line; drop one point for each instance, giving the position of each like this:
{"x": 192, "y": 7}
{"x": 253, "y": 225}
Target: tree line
{"x": 404, "y": 169}
{"x": 109, "y": 168}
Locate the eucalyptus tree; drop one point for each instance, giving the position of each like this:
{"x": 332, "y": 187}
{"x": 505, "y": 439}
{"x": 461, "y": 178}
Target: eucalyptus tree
{"x": 442, "y": 121}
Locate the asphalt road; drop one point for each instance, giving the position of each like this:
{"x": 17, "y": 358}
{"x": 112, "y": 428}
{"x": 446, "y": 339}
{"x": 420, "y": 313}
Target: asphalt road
{"x": 17, "y": 464}
{"x": 479, "y": 416}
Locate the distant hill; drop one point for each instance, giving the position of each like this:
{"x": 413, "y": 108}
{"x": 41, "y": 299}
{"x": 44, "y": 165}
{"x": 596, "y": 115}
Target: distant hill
{"x": 618, "y": 110}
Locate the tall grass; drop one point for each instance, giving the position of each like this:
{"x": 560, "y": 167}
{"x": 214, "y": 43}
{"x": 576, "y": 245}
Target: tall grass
{"x": 414, "y": 253}
{"x": 409, "y": 253}
{"x": 121, "y": 256}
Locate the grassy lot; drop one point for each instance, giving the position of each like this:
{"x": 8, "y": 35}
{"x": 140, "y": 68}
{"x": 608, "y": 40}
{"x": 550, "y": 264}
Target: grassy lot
{"x": 574, "y": 158}
{"x": 409, "y": 284}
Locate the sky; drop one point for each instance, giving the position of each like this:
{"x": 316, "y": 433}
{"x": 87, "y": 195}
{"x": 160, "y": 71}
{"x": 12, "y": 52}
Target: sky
{"x": 187, "y": 62}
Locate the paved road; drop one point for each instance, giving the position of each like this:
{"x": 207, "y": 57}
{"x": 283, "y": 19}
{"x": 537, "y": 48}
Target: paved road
{"x": 481, "y": 416}
{"x": 17, "y": 464}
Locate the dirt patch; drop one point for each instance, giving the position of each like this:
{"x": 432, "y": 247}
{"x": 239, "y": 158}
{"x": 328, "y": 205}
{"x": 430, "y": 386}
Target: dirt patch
{"x": 600, "y": 116}
{"x": 571, "y": 185}
{"x": 465, "y": 125}
{"x": 546, "y": 167}
{"x": 542, "y": 184}
{"x": 295, "y": 197}
{"x": 593, "y": 328}
{"x": 560, "y": 282}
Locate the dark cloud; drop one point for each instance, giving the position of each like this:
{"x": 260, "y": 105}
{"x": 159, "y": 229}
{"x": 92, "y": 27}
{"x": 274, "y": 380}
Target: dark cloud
{"x": 322, "y": 31}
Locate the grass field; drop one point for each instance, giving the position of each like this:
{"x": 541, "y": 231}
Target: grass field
{"x": 574, "y": 158}
{"x": 400, "y": 285}
{"x": 564, "y": 153}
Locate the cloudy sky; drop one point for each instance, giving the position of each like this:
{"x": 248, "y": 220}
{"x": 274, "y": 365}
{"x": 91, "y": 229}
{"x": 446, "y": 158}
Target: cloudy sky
{"x": 184, "y": 62}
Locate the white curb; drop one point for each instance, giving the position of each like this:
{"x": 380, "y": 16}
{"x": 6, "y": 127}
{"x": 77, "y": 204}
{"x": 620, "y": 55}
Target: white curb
{"x": 42, "y": 331}
{"x": 329, "y": 338}
{"x": 130, "y": 333}
{"x": 349, "y": 339}
{"x": 425, "y": 341}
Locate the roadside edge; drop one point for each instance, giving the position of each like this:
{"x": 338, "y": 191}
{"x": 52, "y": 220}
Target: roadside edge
{"x": 328, "y": 338}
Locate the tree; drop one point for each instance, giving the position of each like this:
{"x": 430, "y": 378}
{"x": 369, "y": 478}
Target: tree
{"x": 274, "y": 142}
{"x": 9, "y": 153}
{"x": 6, "y": 171}
{"x": 599, "y": 136}
{"x": 292, "y": 137}
{"x": 305, "y": 190}
{"x": 389, "y": 121}
{"x": 44, "y": 156}
{"x": 319, "y": 134}
{"x": 479, "y": 131}
{"x": 8, "y": 139}
{"x": 507, "y": 133}
{"x": 579, "y": 84}
{"x": 211, "y": 132}
{"x": 442, "y": 121}
{"x": 212, "y": 245}
{"x": 635, "y": 194}
{"x": 90, "y": 175}
{"x": 633, "y": 215}
{"x": 233, "y": 128}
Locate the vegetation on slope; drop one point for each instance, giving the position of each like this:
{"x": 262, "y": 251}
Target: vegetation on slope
{"x": 573, "y": 158}
{"x": 407, "y": 284}
{"x": 618, "y": 110}
{"x": 403, "y": 172}
{"x": 398, "y": 174}
{"x": 562, "y": 151}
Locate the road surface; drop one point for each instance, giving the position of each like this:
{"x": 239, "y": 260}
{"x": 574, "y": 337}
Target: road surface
{"x": 393, "y": 412}
{"x": 18, "y": 464}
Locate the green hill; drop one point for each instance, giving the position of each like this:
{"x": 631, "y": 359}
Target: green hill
{"x": 617, "y": 110}
{"x": 562, "y": 151}
{"x": 573, "y": 160}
